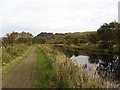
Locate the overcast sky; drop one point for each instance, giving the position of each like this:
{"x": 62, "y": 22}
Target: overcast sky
{"x": 58, "y": 16}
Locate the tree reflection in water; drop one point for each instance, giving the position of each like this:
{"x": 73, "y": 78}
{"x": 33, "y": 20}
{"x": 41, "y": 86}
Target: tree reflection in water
{"x": 109, "y": 67}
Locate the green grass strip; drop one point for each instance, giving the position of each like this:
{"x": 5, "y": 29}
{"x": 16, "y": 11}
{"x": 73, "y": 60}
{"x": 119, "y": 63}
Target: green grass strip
{"x": 44, "y": 74}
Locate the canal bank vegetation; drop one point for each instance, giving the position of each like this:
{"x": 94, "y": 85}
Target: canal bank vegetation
{"x": 12, "y": 52}
{"x": 13, "y": 61}
{"x": 65, "y": 74}
{"x": 55, "y": 70}
{"x": 105, "y": 39}
{"x": 15, "y": 47}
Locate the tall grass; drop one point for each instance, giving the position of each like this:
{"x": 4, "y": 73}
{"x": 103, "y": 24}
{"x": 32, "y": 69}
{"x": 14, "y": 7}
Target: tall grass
{"x": 65, "y": 74}
{"x": 12, "y": 52}
{"x": 68, "y": 75}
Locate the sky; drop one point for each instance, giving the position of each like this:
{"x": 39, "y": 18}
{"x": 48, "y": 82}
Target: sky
{"x": 57, "y": 16}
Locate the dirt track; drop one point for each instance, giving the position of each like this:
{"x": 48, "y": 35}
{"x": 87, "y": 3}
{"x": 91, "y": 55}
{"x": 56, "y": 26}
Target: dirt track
{"x": 20, "y": 77}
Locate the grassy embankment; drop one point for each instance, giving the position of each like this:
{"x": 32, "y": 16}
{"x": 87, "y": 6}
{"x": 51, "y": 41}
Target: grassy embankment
{"x": 12, "y": 56}
{"x": 55, "y": 70}
{"x": 91, "y": 48}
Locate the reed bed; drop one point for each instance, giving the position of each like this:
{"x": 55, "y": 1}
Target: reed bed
{"x": 68, "y": 75}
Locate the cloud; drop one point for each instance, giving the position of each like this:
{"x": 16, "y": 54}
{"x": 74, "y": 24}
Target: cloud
{"x": 58, "y": 15}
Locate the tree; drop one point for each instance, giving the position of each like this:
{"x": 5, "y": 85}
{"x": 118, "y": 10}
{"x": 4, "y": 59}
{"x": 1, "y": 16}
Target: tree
{"x": 109, "y": 34}
{"x": 15, "y": 37}
{"x": 25, "y": 35}
{"x": 39, "y": 40}
{"x": 76, "y": 40}
{"x": 10, "y": 39}
{"x": 92, "y": 37}
{"x": 68, "y": 40}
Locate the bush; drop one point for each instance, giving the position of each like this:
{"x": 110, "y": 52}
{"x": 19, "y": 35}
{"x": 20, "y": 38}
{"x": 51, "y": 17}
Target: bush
{"x": 12, "y": 52}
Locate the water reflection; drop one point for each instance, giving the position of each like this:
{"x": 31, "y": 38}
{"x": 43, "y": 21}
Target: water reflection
{"x": 111, "y": 68}
{"x": 84, "y": 61}
{"x": 93, "y": 59}
{"x": 106, "y": 64}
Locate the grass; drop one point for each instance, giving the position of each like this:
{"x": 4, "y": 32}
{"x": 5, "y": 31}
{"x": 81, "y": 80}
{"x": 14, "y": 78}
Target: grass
{"x": 44, "y": 75}
{"x": 68, "y": 75}
{"x": 13, "y": 63}
{"x": 11, "y": 52}
{"x": 55, "y": 70}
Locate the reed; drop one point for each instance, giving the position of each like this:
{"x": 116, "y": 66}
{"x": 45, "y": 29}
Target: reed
{"x": 68, "y": 75}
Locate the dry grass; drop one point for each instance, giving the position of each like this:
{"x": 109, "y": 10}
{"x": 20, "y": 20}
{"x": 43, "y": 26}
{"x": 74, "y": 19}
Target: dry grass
{"x": 68, "y": 75}
{"x": 12, "y": 52}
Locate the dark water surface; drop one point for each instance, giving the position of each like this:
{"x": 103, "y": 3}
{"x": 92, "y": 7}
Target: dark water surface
{"x": 106, "y": 64}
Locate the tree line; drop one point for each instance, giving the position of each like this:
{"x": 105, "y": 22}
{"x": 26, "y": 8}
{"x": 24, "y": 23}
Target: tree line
{"x": 107, "y": 35}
